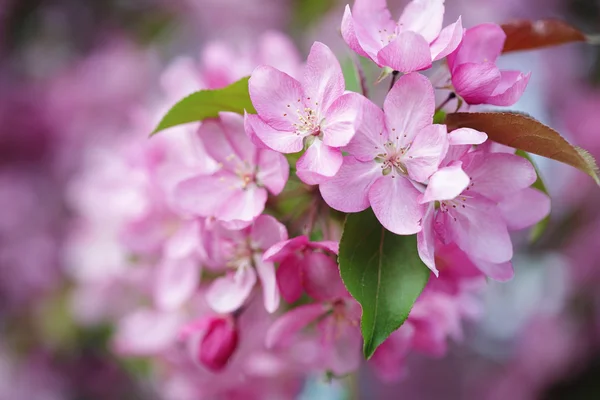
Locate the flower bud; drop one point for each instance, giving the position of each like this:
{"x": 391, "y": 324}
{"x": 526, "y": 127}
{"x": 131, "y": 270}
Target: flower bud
{"x": 218, "y": 343}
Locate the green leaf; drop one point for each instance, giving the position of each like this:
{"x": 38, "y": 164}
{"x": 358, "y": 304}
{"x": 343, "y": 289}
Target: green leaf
{"x": 351, "y": 75}
{"x": 540, "y": 227}
{"x": 383, "y": 272}
{"x": 205, "y": 104}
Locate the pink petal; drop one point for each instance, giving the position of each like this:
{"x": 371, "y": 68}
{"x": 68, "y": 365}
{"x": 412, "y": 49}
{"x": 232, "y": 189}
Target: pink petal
{"x": 279, "y": 251}
{"x": 342, "y": 119}
{"x": 409, "y": 106}
{"x": 498, "y": 175}
{"x": 319, "y": 163}
{"x": 249, "y": 121}
{"x": 191, "y": 194}
{"x": 475, "y": 83}
{"x": 395, "y": 203}
{"x": 389, "y": 358}
{"x": 463, "y": 136}
{"x": 289, "y": 278}
{"x": 185, "y": 242}
{"x": 272, "y": 91}
{"x": 267, "y": 231}
{"x": 245, "y": 205}
{"x": 502, "y": 272}
{"x": 525, "y": 208}
{"x": 266, "y": 274}
{"x": 371, "y": 133}
{"x": 273, "y": 171}
{"x": 228, "y": 293}
{"x": 426, "y": 240}
{"x": 215, "y": 142}
{"x": 372, "y": 19}
{"x": 340, "y": 345}
{"x": 281, "y": 141}
{"x": 446, "y": 184}
{"x": 322, "y": 280}
{"x": 509, "y": 90}
{"x": 277, "y": 49}
{"x": 328, "y": 245}
{"x": 448, "y": 40}
{"x": 408, "y": 52}
{"x": 479, "y": 230}
{"x": 323, "y": 81}
{"x": 175, "y": 283}
{"x": 283, "y": 330}
{"x": 349, "y": 33}
{"x": 426, "y": 152}
{"x": 424, "y": 17}
{"x": 348, "y": 190}
{"x": 146, "y": 332}
{"x": 181, "y": 78}
{"x": 481, "y": 44}
{"x": 240, "y": 143}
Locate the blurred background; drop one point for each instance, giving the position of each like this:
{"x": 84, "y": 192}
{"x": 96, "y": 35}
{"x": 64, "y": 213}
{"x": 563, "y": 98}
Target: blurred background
{"x": 82, "y": 82}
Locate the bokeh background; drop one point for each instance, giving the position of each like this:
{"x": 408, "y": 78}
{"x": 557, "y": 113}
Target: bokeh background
{"x": 80, "y": 77}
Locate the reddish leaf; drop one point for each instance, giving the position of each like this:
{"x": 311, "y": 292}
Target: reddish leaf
{"x": 528, "y": 35}
{"x": 523, "y": 132}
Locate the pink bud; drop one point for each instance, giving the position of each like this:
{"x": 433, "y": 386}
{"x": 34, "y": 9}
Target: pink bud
{"x": 218, "y": 343}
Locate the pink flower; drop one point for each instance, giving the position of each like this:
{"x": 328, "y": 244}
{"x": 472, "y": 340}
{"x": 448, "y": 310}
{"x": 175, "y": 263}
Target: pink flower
{"x": 475, "y": 76}
{"x": 314, "y": 113}
{"x": 307, "y": 266}
{"x": 240, "y": 254}
{"x": 213, "y": 339}
{"x": 394, "y": 151}
{"x": 411, "y": 44}
{"x": 237, "y": 192}
{"x": 475, "y": 218}
{"x": 337, "y": 332}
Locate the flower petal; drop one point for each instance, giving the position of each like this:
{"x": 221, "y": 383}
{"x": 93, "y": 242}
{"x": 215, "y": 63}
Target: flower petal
{"x": 240, "y": 143}
{"x": 479, "y": 230}
{"x": 273, "y": 171}
{"x": 501, "y": 272}
{"x": 448, "y": 40}
{"x": 275, "y": 96}
{"x": 498, "y": 175}
{"x": 319, "y": 163}
{"x": 509, "y": 90}
{"x": 464, "y": 136}
{"x": 349, "y": 34}
{"x": 279, "y": 251}
{"x": 228, "y": 293}
{"x": 146, "y": 332}
{"x": 281, "y": 141}
{"x": 370, "y": 135}
{"x": 323, "y": 81}
{"x": 395, "y": 203}
{"x": 266, "y": 274}
{"x": 426, "y": 240}
{"x": 266, "y": 231}
{"x": 409, "y": 106}
{"x": 175, "y": 283}
{"x": 481, "y": 44}
{"x": 245, "y": 205}
{"x": 283, "y": 330}
{"x": 408, "y": 52}
{"x": 525, "y": 208}
{"x": 322, "y": 280}
{"x": 475, "y": 83}
{"x": 426, "y": 152}
{"x": 289, "y": 278}
{"x": 191, "y": 194}
{"x": 348, "y": 190}
{"x": 342, "y": 119}
{"x": 371, "y": 18}
{"x": 424, "y": 17}
{"x": 340, "y": 345}
{"x": 446, "y": 184}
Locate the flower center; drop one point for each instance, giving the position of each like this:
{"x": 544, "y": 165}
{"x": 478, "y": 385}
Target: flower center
{"x": 392, "y": 158}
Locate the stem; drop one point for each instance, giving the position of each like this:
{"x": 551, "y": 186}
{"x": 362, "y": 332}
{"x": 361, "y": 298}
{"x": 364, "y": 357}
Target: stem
{"x": 362, "y": 78}
{"x": 394, "y": 77}
{"x": 312, "y": 217}
{"x": 451, "y": 96}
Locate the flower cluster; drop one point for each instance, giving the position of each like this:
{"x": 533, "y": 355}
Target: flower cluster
{"x": 201, "y": 243}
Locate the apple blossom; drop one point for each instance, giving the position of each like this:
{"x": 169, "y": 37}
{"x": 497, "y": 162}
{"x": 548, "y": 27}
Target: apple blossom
{"x": 314, "y": 113}
{"x": 411, "y": 44}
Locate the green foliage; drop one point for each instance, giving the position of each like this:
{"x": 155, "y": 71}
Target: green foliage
{"x": 383, "y": 272}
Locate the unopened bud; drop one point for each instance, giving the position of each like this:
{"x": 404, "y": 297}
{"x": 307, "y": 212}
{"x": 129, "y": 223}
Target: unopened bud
{"x": 218, "y": 343}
